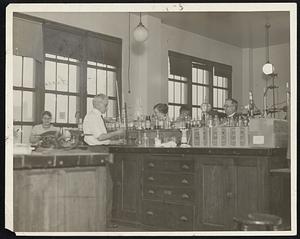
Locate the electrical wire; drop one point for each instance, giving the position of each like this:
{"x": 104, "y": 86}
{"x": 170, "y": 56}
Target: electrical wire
{"x": 128, "y": 70}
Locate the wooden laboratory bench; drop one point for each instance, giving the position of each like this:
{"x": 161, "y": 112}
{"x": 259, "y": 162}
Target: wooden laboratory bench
{"x": 191, "y": 188}
{"x": 59, "y": 190}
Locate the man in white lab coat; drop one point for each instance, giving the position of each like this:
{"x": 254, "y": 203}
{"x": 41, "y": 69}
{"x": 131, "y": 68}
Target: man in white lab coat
{"x": 96, "y": 134}
{"x": 94, "y": 125}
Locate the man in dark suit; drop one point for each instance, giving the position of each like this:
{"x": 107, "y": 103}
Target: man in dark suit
{"x": 230, "y": 107}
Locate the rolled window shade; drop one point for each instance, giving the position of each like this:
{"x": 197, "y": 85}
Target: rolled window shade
{"x": 180, "y": 65}
{"x": 27, "y": 38}
{"x": 63, "y": 43}
{"x": 223, "y": 70}
{"x": 104, "y": 51}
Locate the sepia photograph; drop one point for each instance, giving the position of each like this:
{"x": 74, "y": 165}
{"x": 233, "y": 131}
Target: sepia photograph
{"x": 151, "y": 119}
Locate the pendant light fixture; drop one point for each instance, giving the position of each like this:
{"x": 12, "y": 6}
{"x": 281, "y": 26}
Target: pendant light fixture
{"x": 268, "y": 68}
{"x": 140, "y": 33}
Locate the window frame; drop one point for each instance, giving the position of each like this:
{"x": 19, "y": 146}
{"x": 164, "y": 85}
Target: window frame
{"x": 40, "y": 89}
{"x": 207, "y": 65}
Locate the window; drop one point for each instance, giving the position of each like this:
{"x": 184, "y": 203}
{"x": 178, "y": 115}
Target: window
{"x": 62, "y": 88}
{"x": 23, "y": 96}
{"x": 101, "y": 78}
{"x": 193, "y": 81}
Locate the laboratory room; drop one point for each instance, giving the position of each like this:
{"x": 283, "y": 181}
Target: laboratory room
{"x": 152, "y": 121}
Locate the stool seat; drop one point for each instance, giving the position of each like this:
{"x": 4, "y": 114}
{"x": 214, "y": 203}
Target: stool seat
{"x": 271, "y": 222}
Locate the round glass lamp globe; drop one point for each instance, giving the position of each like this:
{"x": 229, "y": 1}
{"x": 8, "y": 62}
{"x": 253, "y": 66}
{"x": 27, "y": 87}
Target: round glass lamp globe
{"x": 140, "y": 33}
{"x": 268, "y": 69}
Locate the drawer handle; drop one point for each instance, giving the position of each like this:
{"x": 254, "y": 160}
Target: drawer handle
{"x": 61, "y": 162}
{"x": 229, "y": 194}
{"x": 185, "y": 166}
{"x": 184, "y": 181}
{"x": 151, "y": 165}
{"x": 183, "y": 218}
{"x": 151, "y": 178}
{"x": 168, "y": 192}
{"x": 150, "y": 191}
{"x": 150, "y": 213}
{"x": 185, "y": 196}
{"x": 49, "y": 162}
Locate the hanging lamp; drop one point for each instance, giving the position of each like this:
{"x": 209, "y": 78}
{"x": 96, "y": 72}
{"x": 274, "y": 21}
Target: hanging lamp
{"x": 268, "y": 68}
{"x": 140, "y": 33}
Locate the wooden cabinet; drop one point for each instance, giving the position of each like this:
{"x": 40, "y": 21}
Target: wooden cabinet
{"x": 192, "y": 191}
{"x": 36, "y": 205}
{"x": 168, "y": 198}
{"x": 60, "y": 199}
{"x": 126, "y": 187}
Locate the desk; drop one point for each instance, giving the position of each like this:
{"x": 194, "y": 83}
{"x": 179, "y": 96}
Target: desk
{"x": 60, "y": 191}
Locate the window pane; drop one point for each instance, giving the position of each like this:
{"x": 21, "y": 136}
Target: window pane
{"x": 176, "y": 111}
{"x": 17, "y": 70}
{"x": 28, "y": 106}
{"x": 170, "y": 91}
{"x": 194, "y": 95}
{"x": 101, "y": 82}
{"x": 171, "y": 112}
{"x": 91, "y": 81}
{"x": 215, "y": 99}
{"x": 28, "y": 72}
{"x": 205, "y": 77}
{"x": 17, "y": 134}
{"x": 111, "y": 81}
{"x": 202, "y": 94}
{"x": 62, "y": 58}
{"x": 89, "y": 104}
{"x": 225, "y": 82}
{"x": 194, "y": 74}
{"x": 215, "y": 80}
{"x": 73, "y": 60}
{"x": 50, "y": 55}
{"x": 197, "y": 113}
{"x": 200, "y": 76}
{"x": 111, "y": 108}
{"x": 62, "y": 77}
{"x": 73, "y": 108}
{"x": 220, "y": 81}
{"x": 26, "y": 131}
{"x": 183, "y": 93}
{"x": 17, "y": 105}
{"x": 220, "y": 98}
{"x": 50, "y": 101}
{"x": 101, "y": 65}
{"x": 177, "y": 92}
{"x": 62, "y": 109}
{"x": 73, "y": 78}
{"x": 50, "y": 75}
{"x": 91, "y": 63}
{"x": 176, "y": 77}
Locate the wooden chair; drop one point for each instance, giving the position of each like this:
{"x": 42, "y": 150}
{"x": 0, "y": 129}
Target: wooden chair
{"x": 268, "y": 221}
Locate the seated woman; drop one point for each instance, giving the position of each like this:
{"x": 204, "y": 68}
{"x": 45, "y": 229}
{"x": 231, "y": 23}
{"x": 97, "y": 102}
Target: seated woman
{"x": 160, "y": 111}
{"x": 39, "y": 129}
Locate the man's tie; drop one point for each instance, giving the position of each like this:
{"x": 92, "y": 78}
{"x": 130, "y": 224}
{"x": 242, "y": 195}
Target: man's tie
{"x": 104, "y": 122}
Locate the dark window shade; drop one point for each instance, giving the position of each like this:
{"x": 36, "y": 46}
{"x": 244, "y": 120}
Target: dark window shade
{"x": 104, "y": 51}
{"x": 180, "y": 65}
{"x": 27, "y": 39}
{"x": 63, "y": 43}
{"x": 223, "y": 70}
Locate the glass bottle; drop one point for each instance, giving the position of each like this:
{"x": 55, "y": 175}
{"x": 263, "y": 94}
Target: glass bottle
{"x": 148, "y": 123}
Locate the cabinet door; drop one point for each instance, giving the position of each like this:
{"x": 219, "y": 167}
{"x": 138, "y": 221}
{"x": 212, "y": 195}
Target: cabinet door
{"x": 251, "y": 185}
{"x": 82, "y": 194}
{"x": 126, "y": 181}
{"x": 36, "y": 200}
{"x": 215, "y": 194}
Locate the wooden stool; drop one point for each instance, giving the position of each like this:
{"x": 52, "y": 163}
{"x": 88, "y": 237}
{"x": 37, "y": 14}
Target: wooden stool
{"x": 271, "y": 222}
